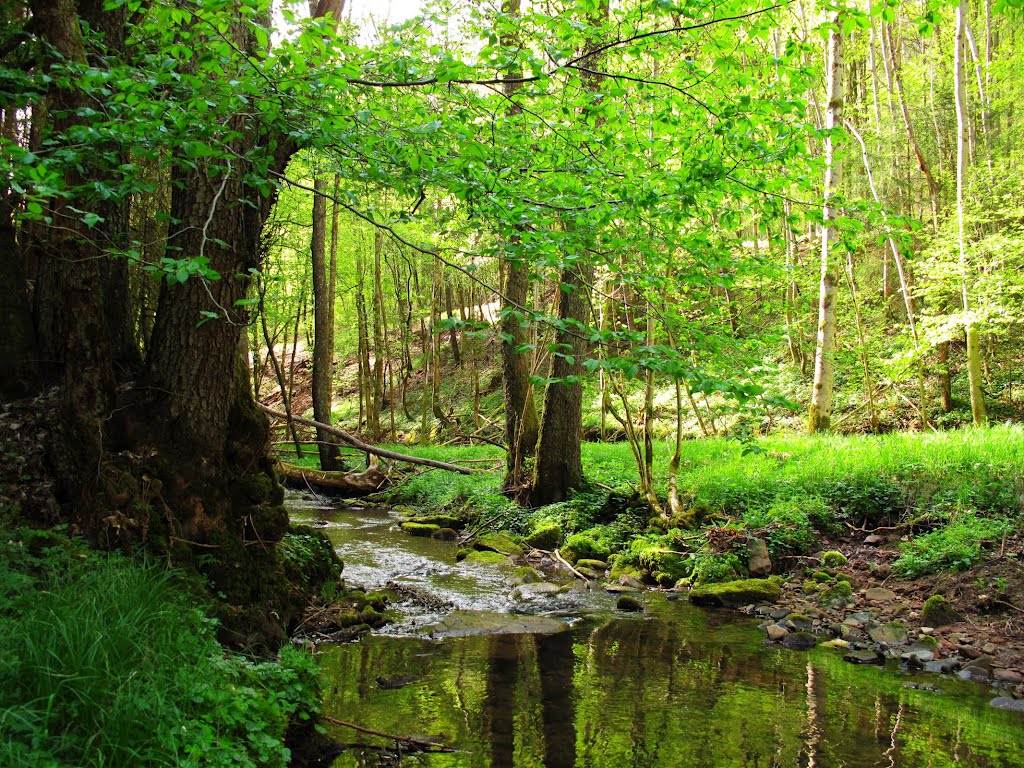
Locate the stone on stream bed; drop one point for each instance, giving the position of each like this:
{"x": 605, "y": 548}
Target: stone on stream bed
{"x": 627, "y": 603}
{"x": 486, "y": 557}
{"x": 891, "y": 633}
{"x": 498, "y": 542}
{"x": 525, "y": 574}
{"x": 535, "y": 590}
{"x": 420, "y": 529}
{"x": 937, "y": 611}
{"x": 468, "y": 623}
{"x": 733, "y": 594}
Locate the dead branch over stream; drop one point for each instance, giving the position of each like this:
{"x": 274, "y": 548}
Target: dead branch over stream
{"x": 355, "y": 442}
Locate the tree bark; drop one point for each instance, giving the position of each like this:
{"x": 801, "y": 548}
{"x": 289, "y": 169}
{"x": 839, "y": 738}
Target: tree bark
{"x": 323, "y": 328}
{"x": 820, "y": 416}
{"x": 979, "y": 411}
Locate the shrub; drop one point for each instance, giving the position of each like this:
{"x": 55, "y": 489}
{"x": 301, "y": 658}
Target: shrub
{"x": 788, "y": 525}
{"x": 954, "y": 547}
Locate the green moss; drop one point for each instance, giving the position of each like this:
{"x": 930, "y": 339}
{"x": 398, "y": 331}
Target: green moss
{"x": 664, "y": 567}
{"x": 308, "y": 558}
{"x": 938, "y": 611}
{"x": 545, "y": 535}
{"x": 821, "y": 577}
{"x": 524, "y": 574}
{"x": 585, "y": 546}
{"x": 486, "y": 557}
{"x": 597, "y": 565}
{"x": 442, "y": 521}
{"x": 733, "y": 594}
{"x": 420, "y": 529}
{"x": 716, "y": 569}
{"x": 837, "y": 594}
{"x": 498, "y": 542}
{"x": 810, "y": 586}
{"x": 832, "y": 559}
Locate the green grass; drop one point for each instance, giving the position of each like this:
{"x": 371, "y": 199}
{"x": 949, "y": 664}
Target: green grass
{"x": 110, "y": 663}
{"x": 791, "y": 489}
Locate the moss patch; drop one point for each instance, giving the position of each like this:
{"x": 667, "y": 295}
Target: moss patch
{"x": 937, "y": 611}
{"x": 545, "y": 536}
{"x": 486, "y": 557}
{"x": 733, "y": 594}
{"x": 498, "y": 542}
{"x": 832, "y": 559}
{"x": 421, "y": 529}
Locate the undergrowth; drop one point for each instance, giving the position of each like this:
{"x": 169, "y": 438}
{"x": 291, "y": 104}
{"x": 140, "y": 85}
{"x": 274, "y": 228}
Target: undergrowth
{"x": 953, "y": 488}
{"x": 111, "y": 663}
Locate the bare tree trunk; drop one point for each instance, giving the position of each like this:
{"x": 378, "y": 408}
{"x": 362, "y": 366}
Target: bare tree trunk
{"x": 820, "y": 416}
{"x": 323, "y": 330}
{"x": 379, "y": 344}
{"x": 974, "y": 373}
{"x": 922, "y": 164}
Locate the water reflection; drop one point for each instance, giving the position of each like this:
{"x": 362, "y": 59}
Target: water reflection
{"x": 673, "y": 690}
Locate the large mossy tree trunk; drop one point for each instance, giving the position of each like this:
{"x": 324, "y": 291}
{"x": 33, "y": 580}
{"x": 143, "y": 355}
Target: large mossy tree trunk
{"x": 559, "y": 464}
{"x": 175, "y": 460}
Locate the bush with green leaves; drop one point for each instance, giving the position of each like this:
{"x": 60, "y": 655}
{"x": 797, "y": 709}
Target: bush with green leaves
{"x": 108, "y": 662}
{"x": 956, "y": 546}
{"x": 788, "y": 525}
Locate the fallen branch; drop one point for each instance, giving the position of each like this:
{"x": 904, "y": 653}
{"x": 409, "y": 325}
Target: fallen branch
{"x": 355, "y": 442}
{"x": 563, "y": 561}
{"x": 419, "y": 743}
{"x": 348, "y": 482}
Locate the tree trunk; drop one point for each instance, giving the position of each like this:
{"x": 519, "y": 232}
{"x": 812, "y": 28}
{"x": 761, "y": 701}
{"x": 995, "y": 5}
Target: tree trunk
{"x": 820, "y": 416}
{"x": 974, "y": 374}
{"x": 323, "y": 329}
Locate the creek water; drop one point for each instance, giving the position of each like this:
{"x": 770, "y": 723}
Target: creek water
{"x": 674, "y": 687}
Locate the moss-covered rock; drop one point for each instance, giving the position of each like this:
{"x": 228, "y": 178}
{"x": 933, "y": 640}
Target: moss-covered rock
{"x": 832, "y": 559}
{"x": 445, "y": 534}
{"x": 420, "y": 529}
{"x": 308, "y": 559}
{"x": 498, "y": 542}
{"x": 486, "y": 557}
{"x": 547, "y": 535}
{"x": 666, "y": 568}
{"x": 594, "y": 565}
{"x": 839, "y": 593}
{"x": 524, "y": 574}
{"x": 938, "y": 611}
{"x": 443, "y": 521}
{"x": 821, "y": 577}
{"x": 733, "y": 594}
{"x": 585, "y": 546}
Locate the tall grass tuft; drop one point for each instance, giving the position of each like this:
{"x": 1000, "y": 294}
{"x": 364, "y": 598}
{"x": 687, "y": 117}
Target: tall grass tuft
{"x": 110, "y": 663}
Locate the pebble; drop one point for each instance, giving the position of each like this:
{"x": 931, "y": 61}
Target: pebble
{"x": 776, "y": 633}
{"x": 1007, "y": 676}
{"x": 880, "y": 595}
{"x": 1005, "y": 702}
{"x": 865, "y": 656}
{"x": 799, "y": 641}
{"x": 874, "y": 538}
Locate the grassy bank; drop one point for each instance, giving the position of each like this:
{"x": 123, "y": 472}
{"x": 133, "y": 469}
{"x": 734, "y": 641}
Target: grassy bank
{"x": 108, "y": 662}
{"x": 952, "y": 492}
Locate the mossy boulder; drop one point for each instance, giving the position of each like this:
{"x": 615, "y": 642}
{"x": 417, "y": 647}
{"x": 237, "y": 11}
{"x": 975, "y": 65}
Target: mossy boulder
{"x": 308, "y": 558}
{"x": 498, "y": 542}
{"x": 937, "y": 611}
{"x": 594, "y": 565}
{"x": 420, "y": 529}
{"x": 545, "y": 536}
{"x": 445, "y": 534}
{"x": 839, "y": 593}
{"x": 524, "y": 574}
{"x": 666, "y": 568}
{"x": 444, "y": 521}
{"x": 733, "y": 594}
{"x": 832, "y": 559}
{"x": 584, "y": 546}
{"x": 821, "y": 577}
{"x": 486, "y": 557}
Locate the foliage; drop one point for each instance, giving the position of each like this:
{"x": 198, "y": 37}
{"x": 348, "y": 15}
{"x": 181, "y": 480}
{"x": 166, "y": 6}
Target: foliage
{"x": 788, "y": 524}
{"x": 112, "y": 663}
{"x": 956, "y": 546}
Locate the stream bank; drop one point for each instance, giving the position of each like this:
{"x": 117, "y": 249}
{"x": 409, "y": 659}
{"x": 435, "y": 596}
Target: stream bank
{"x": 671, "y": 685}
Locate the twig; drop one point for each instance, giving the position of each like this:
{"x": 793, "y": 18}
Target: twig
{"x": 563, "y": 561}
{"x": 1009, "y": 605}
{"x": 425, "y": 745}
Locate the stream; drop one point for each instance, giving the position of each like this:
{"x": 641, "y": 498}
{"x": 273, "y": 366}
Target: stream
{"x": 674, "y": 687}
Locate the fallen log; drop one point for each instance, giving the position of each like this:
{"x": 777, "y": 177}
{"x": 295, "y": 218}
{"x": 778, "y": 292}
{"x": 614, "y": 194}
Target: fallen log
{"x": 355, "y": 442}
{"x": 349, "y": 483}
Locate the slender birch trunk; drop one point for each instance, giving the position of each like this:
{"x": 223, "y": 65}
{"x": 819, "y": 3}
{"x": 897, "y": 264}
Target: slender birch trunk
{"x": 974, "y": 373}
{"x": 820, "y": 415}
